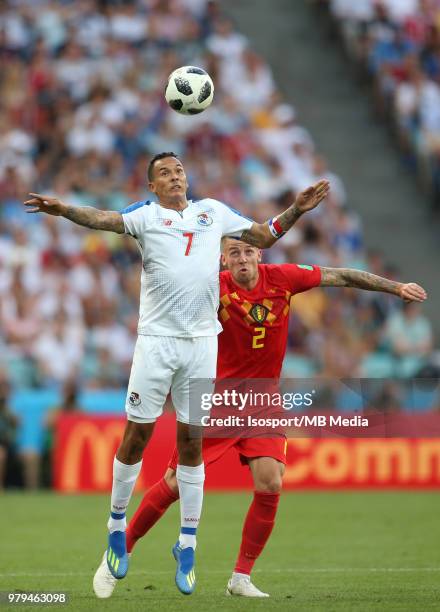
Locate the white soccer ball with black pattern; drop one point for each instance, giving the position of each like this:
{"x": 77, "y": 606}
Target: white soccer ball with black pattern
{"x": 189, "y": 90}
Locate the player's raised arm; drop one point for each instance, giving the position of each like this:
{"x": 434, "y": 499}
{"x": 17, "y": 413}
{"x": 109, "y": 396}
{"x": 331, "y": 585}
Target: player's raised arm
{"x": 347, "y": 277}
{"x": 264, "y": 235}
{"x": 87, "y": 216}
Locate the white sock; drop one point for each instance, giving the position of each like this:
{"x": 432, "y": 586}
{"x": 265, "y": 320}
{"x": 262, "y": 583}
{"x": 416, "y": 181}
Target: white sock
{"x": 190, "y": 481}
{"x": 238, "y": 576}
{"x": 124, "y": 479}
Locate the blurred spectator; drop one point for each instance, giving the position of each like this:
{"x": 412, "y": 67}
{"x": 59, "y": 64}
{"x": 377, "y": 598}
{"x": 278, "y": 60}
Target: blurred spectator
{"x": 69, "y": 404}
{"x": 8, "y": 429}
{"x": 225, "y": 42}
{"x": 322, "y": 171}
{"x": 410, "y": 336}
{"x": 59, "y": 349}
{"x": 389, "y": 398}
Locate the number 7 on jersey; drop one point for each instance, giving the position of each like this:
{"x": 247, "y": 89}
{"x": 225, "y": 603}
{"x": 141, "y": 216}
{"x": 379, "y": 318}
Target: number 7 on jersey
{"x": 188, "y": 235}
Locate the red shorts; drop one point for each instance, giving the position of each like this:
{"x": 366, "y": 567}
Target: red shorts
{"x": 247, "y": 448}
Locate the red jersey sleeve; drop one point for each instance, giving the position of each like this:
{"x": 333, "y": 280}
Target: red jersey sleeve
{"x": 300, "y": 277}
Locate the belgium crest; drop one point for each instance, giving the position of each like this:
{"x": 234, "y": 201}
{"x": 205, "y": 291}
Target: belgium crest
{"x": 259, "y": 313}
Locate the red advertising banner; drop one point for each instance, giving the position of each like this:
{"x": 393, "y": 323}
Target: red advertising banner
{"x": 85, "y": 446}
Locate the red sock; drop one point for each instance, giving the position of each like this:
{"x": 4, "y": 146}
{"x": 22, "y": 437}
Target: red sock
{"x": 154, "y": 503}
{"x": 257, "y": 528}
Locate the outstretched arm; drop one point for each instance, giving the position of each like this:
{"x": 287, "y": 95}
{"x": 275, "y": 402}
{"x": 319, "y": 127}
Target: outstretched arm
{"x": 264, "y": 235}
{"x": 82, "y": 215}
{"x": 347, "y": 277}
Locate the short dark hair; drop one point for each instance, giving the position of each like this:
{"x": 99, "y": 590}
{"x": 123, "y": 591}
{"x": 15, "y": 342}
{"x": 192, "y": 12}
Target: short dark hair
{"x": 155, "y": 159}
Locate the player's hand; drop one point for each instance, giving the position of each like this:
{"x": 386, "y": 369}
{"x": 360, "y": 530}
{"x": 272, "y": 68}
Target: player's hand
{"x": 410, "y": 292}
{"x": 312, "y": 196}
{"x": 46, "y": 204}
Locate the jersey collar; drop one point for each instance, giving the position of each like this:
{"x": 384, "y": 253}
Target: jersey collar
{"x": 182, "y": 213}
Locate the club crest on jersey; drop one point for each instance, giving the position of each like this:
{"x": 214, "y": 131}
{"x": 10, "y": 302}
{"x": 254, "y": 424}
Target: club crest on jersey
{"x": 167, "y": 222}
{"x": 204, "y": 219}
{"x": 259, "y": 313}
{"x": 134, "y": 399}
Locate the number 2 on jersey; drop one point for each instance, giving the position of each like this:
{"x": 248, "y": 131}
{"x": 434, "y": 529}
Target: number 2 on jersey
{"x": 258, "y": 336}
{"x": 188, "y": 235}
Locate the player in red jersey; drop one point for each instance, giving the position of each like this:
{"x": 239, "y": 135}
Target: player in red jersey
{"x": 254, "y": 312}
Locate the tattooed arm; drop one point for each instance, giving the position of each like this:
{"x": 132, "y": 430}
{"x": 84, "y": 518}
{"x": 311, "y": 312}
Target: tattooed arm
{"x": 82, "y": 215}
{"x": 264, "y": 235}
{"x": 347, "y": 277}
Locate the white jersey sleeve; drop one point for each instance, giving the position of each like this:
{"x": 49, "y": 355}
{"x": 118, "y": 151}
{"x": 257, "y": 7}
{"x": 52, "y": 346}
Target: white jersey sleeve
{"x": 233, "y": 222}
{"x": 135, "y": 219}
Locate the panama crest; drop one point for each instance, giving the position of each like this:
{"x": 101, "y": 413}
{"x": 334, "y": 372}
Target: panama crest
{"x": 204, "y": 219}
{"x": 134, "y": 399}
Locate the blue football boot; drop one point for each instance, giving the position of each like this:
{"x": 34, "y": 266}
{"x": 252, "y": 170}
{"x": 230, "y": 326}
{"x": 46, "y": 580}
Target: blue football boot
{"x": 117, "y": 557}
{"x": 185, "y": 576}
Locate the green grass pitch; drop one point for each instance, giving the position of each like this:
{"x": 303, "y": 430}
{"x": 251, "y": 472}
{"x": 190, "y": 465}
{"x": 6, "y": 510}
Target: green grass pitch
{"x": 329, "y": 551}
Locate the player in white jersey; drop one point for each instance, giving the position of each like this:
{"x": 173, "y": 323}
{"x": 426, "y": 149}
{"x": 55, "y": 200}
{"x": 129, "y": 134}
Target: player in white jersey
{"x": 180, "y": 246}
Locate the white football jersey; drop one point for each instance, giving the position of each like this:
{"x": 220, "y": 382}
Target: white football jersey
{"x": 180, "y": 260}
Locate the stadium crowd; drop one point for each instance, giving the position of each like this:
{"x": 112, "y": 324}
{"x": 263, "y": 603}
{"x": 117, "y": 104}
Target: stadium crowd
{"x": 82, "y": 111}
{"x": 398, "y": 42}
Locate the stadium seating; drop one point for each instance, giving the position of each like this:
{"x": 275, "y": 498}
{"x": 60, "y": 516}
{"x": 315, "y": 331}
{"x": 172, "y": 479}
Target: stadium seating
{"x": 398, "y": 43}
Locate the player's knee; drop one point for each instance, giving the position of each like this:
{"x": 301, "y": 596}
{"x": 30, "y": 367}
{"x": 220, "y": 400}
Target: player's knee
{"x": 130, "y": 452}
{"x": 137, "y": 441}
{"x": 269, "y": 484}
{"x": 190, "y": 451}
{"x": 134, "y": 441}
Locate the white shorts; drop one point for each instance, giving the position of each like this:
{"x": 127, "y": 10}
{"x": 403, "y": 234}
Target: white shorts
{"x": 162, "y": 364}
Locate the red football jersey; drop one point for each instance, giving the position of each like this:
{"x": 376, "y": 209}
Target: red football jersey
{"x": 255, "y": 323}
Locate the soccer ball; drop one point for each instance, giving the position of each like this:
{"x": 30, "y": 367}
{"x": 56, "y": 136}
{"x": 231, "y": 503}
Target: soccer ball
{"x": 189, "y": 90}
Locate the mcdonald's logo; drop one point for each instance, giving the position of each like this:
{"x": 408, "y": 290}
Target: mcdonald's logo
{"x": 95, "y": 440}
